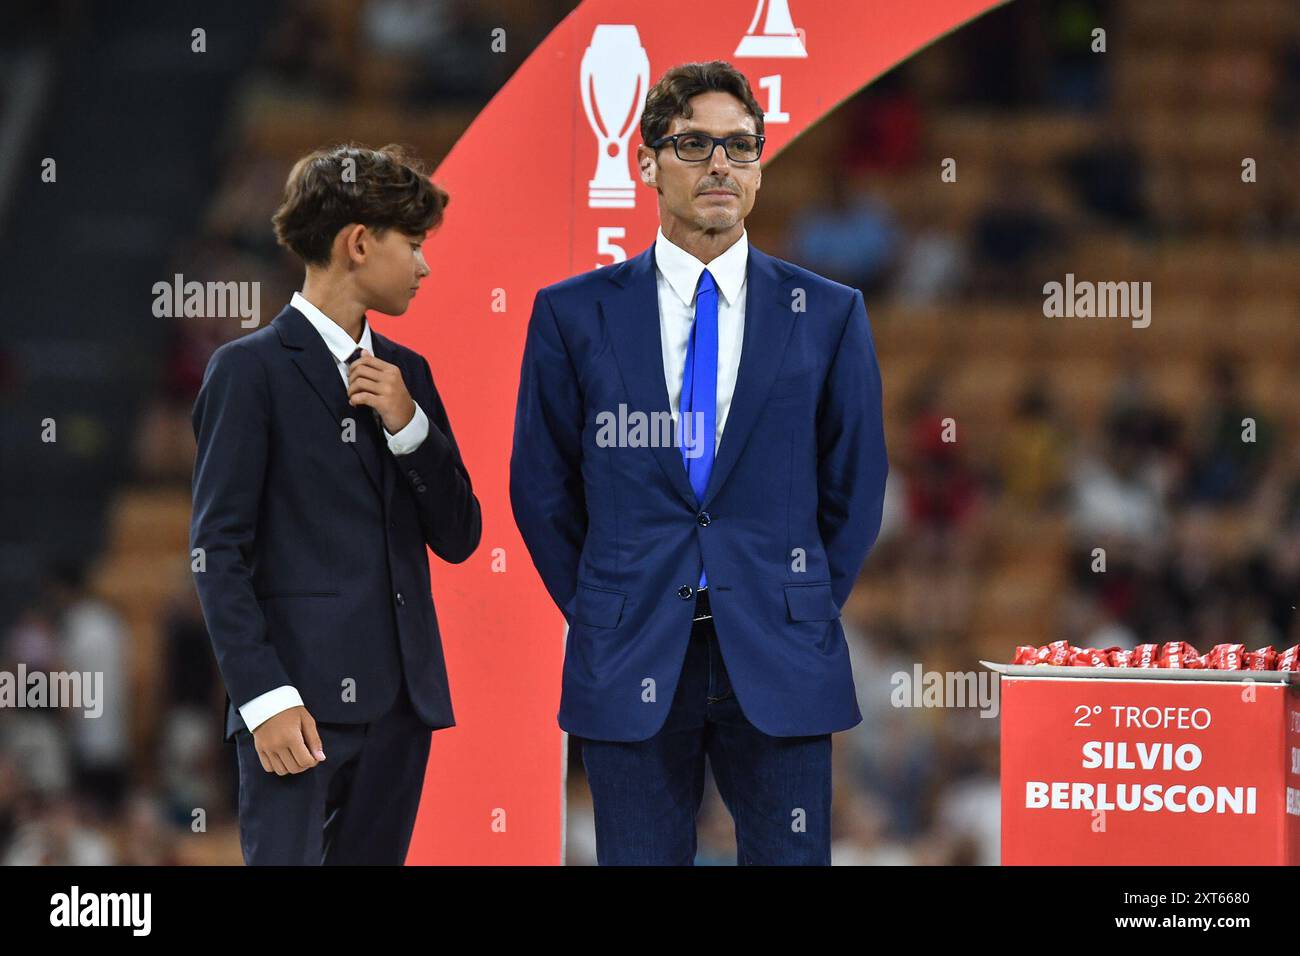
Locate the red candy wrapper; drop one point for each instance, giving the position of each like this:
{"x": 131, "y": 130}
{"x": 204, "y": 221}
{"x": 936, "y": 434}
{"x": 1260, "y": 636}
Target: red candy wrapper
{"x": 1145, "y": 655}
{"x": 1262, "y": 659}
{"x": 1088, "y": 657}
{"x": 1024, "y": 654}
{"x": 1059, "y": 653}
{"x": 1176, "y": 654}
{"x": 1228, "y": 657}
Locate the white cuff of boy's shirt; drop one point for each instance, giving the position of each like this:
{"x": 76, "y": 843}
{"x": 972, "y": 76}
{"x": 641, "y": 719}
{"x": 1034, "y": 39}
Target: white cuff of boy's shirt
{"x": 265, "y": 706}
{"x": 410, "y": 437}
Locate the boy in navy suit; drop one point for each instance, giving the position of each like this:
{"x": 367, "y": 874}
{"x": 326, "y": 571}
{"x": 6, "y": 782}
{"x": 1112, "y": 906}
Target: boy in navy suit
{"x": 326, "y": 470}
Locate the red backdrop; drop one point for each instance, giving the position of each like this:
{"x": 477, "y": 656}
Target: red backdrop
{"x": 542, "y": 189}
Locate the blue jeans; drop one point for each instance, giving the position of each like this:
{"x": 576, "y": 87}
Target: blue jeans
{"x": 646, "y": 794}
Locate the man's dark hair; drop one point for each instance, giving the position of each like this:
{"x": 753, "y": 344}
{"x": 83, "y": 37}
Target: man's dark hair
{"x": 381, "y": 188}
{"x": 670, "y": 97}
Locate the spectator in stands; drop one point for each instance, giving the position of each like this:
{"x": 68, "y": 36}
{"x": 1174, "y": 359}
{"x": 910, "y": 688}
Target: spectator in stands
{"x": 944, "y": 507}
{"x": 943, "y": 491}
{"x": 968, "y": 806}
{"x": 11, "y": 789}
{"x": 92, "y": 640}
{"x": 146, "y": 840}
{"x": 1076, "y": 73}
{"x": 33, "y": 743}
{"x": 1113, "y": 494}
{"x": 1133, "y": 408}
{"x": 882, "y": 127}
{"x": 1012, "y": 234}
{"x": 461, "y": 67}
{"x": 1109, "y": 177}
{"x": 1013, "y": 77}
{"x": 1034, "y": 456}
{"x": 1102, "y": 607}
{"x": 1274, "y": 571}
{"x": 1203, "y": 577}
{"x": 847, "y": 237}
{"x": 59, "y": 836}
{"x": 1285, "y": 106}
{"x": 1232, "y": 441}
{"x": 934, "y": 265}
{"x": 862, "y": 831}
{"x": 196, "y": 771}
{"x": 304, "y": 54}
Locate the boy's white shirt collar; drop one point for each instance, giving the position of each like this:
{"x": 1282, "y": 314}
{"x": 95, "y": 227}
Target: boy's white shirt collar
{"x": 339, "y": 342}
{"x": 682, "y": 270}
{"x": 341, "y": 347}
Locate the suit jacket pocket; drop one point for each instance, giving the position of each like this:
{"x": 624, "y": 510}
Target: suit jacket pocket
{"x": 598, "y": 607}
{"x": 810, "y": 602}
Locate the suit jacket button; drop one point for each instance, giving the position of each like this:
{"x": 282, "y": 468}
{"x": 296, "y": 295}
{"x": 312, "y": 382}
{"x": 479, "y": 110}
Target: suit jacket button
{"x": 685, "y": 592}
{"x": 703, "y": 518}
{"x": 419, "y": 488}
{"x": 411, "y": 473}
{"x": 401, "y": 601}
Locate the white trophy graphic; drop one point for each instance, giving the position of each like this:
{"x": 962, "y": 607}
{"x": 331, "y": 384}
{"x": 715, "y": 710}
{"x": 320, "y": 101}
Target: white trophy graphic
{"x": 615, "y": 77}
{"x": 778, "y": 36}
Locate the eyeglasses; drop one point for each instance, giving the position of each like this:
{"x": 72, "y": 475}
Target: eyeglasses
{"x": 698, "y": 147}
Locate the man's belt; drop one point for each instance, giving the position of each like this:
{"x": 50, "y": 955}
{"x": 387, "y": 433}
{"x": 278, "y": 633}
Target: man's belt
{"x": 702, "y": 612}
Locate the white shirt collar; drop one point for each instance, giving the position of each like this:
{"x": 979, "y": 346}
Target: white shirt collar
{"x": 339, "y": 342}
{"x": 682, "y": 270}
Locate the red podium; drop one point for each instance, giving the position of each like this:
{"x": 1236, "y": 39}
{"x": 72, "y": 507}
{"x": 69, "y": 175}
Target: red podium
{"x": 1149, "y": 766}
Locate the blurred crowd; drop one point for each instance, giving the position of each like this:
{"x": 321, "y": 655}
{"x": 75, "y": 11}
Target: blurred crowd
{"x": 1195, "y": 503}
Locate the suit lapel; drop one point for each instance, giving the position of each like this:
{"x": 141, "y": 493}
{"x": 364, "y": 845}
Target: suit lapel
{"x": 631, "y": 314}
{"x": 314, "y": 360}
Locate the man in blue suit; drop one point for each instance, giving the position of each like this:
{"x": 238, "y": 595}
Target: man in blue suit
{"x": 702, "y": 576}
{"x": 326, "y": 469}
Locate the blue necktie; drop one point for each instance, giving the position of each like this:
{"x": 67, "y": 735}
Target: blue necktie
{"x": 700, "y": 391}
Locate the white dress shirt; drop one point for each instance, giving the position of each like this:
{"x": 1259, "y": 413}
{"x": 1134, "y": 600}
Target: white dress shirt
{"x": 340, "y": 344}
{"x": 677, "y": 273}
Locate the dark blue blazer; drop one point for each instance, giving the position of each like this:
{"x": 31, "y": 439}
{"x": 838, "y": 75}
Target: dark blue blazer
{"x": 792, "y": 507}
{"x": 315, "y": 567}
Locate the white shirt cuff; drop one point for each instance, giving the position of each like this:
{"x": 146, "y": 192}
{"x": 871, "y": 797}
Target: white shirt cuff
{"x": 410, "y": 437}
{"x": 265, "y": 706}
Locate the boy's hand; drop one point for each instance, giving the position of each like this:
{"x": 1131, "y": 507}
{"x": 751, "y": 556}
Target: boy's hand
{"x": 288, "y": 742}
{"x": 379, "y": 384}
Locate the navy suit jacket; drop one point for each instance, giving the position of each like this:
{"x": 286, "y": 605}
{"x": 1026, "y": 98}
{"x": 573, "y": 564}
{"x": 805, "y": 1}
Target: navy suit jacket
{"x": 316, "y": 570}
{"x": 792, "y": 507}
